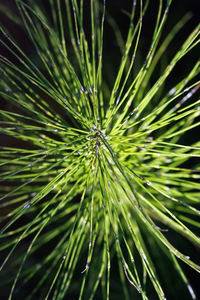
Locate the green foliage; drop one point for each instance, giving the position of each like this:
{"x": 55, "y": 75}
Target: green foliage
{"x": 97, "y": 185}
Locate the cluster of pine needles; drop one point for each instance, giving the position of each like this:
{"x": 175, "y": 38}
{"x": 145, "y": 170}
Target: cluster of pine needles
{"x": 95, "y": 178}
